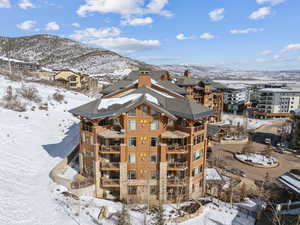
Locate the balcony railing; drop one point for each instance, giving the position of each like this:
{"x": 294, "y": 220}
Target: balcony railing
{"x": 198, "y": 128}
{"x": 177, "y": 165}
{"x": 110, "y": 148}
{"x": 107, "y": 181}
{"x": 176, "y": 181}
{"x": 110, "y": 165}
{"x": 177, "y": 148}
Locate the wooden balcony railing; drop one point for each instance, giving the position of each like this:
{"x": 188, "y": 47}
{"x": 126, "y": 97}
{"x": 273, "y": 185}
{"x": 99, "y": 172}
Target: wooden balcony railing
{"x": 177, "y": 165}
{"x": 177, "y": 148}
{"x": 176, "y": 181}
{"x": 110, "y": 165}
{"x": 198, "y": 128}
{"x": 108, "y": 181}
{"x": 110, "y": 148}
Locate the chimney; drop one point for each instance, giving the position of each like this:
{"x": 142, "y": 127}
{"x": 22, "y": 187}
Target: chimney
{"x": 144, "y": 78}
{"x": 188, "y": 73}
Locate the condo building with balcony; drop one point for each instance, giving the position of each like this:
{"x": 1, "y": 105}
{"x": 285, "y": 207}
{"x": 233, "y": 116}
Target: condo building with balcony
{"x": 277, "y": 102}
{"x": 144, "y": 142}
{"x": 205, "y": 92}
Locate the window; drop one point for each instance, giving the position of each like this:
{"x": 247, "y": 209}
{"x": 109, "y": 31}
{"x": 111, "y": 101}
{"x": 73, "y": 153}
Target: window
{"x": 153, "y": 158}
{"x": 154, "y": 142}
{"x": 131, "y": 174}
{"x": 154, "y": 112}
{"x": 196, "y": 155}
{"x": 153, "y": 174}
{"x": 153, "y": 190}
{"x": 132, "y": 112}
{"x": 198, "y": 139}
{"x": 132, "y": 141}
{"x": 144, "y": 109}
{"x": 73, "y": 84}
{"x": 87, "y": 126}
{"x": 154, "y": 125}
{"x": 131, "y": 158}
{"x": 132, "y": 190}
{"x": 196, "y": 171}
{"x": 131, "y": 124}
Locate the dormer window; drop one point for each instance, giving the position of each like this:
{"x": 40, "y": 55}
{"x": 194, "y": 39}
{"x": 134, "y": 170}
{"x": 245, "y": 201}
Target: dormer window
{"x": 132, "y": 112}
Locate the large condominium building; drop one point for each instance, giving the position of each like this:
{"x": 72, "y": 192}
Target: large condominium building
{"x": 235, "y": 97}
{"x": 204, "y": 92}
{"x": 144, "y": 142}
{"x": 277, "y": 102}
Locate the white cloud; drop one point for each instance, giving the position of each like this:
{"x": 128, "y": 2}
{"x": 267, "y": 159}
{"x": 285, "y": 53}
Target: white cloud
{"x": 266, "y": 52}
{"x": 181, "y": 37}
{"x": 291, "y": 47}
{"x": 207, "y": 36}
{"x": 5, "y": 4}
{"x": 247, "y": 31}
{"x": 217, "y": 14}
{"x": 272, "y": 2}
{"x": 125, "y": 44}
{"x": 93, "y": 33}
{"x": 75, "y": 24}
{"x": 52, "y": 26}
{"x": 124, "y": 7}
{"x": 25, "y": 4}
{"x": 137, "y": 21}
{"x": 261, "y": 13}
{"x": 27, "y": 25}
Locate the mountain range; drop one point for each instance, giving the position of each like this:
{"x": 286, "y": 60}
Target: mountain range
{"x": 56, "y": 52}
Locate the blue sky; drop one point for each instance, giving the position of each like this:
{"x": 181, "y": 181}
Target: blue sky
{"x": 243, "y": 34}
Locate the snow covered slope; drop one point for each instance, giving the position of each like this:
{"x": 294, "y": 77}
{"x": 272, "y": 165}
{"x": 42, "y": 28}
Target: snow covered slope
{"x": 60, "y": 53}
{"x": 30, "y": 148}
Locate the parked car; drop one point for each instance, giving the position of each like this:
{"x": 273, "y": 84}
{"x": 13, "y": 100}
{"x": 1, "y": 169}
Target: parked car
{"x": 228, "y": 138}
{"x": 268, "y": 141}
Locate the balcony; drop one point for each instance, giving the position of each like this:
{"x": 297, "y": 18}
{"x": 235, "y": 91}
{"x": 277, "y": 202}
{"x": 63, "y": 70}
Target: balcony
{"x": 110, "y": 182}
{"x": 174, "y": 181}
{"x": 110, "y": 165}
{"x": 199, "y": 128}
{"x": 111, "y": 149}
{"x": 173, "y": 149}
{"x": 177, "y": 165}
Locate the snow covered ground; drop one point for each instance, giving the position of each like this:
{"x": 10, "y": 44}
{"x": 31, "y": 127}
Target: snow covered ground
{"x": 237, "y": 119}
{"x": 32, "y": 143}
{"x": 257, "y": 159}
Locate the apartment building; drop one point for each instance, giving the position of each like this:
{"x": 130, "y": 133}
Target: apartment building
{"x": 144, "y": 142}
{"x": 277, "y": 102}
{"x": 235, "y": 97}
{"x": 205, "y": 92}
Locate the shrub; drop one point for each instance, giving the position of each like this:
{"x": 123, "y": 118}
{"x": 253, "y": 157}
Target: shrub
{"x": 57, "y": 96}
{"x": 12, "y": 102}
{"x": 30, "y": 94}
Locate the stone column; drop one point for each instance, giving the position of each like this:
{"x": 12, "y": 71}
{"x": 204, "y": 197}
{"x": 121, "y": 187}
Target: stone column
{"x": 98, "y": 189}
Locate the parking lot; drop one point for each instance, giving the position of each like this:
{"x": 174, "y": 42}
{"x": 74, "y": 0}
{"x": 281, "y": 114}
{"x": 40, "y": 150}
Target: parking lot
{"x": 286, "y": 161}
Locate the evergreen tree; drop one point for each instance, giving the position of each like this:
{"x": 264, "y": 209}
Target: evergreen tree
{"x": 159, "y": 218}
{"x": 124, "y": 216}
{"x": 295, "y": 143}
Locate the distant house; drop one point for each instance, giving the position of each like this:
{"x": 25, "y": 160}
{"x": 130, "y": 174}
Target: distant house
{"x": 74, "y": 80}
{"x": 158, "y": 75}
{"x": 18, "y": 64}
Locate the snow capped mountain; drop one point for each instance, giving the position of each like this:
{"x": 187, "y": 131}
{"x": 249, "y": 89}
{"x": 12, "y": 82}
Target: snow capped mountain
{"x": 217, "y": 73}
{"x": 57, "y": 53}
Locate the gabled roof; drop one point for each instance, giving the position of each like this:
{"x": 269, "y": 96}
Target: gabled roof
{"x": 169, "y": 105}
{"x": 171, "y": 86}
{"x": 122, "y": 84}
{"x": 155, "y": 74}
{"x": 291, "y": 179}
{"x": 187, "y": 81}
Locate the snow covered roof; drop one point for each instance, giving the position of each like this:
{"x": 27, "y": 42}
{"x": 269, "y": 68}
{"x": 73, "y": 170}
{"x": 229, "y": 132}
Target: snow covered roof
{"x": 171, "y": 106}
{"x": 212, "y": 175}
{"x": 280, "y": 90}
{"x": 291, "y": 179}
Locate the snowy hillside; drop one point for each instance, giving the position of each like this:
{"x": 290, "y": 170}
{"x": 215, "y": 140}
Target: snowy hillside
{"x": 32, "y": 143}
{"x": 59, "y": 53}
{"x": 217, "y": 73}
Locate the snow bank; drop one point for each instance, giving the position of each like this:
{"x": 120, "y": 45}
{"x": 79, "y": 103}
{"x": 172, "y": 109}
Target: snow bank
{"x": 257, "y": 159}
